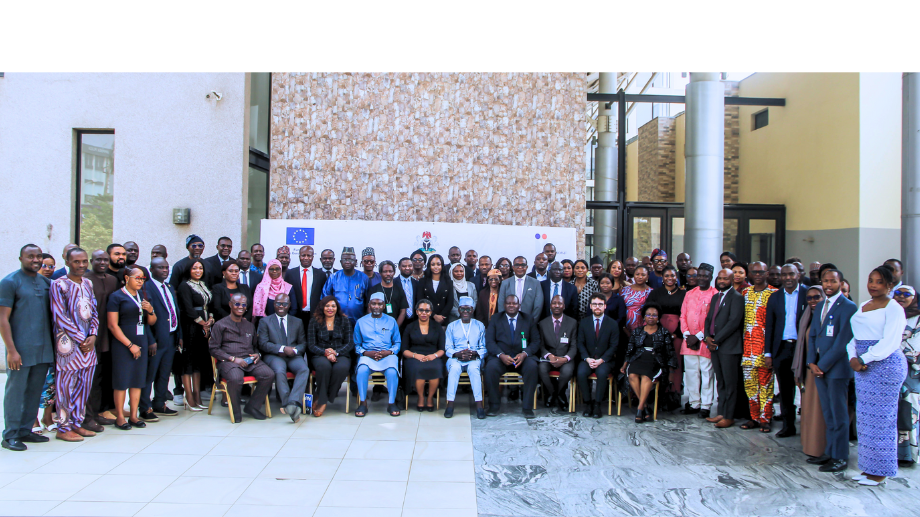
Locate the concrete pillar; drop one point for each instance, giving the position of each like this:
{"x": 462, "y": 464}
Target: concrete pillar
{"x": 705, "y": 180}
{"x": 605, "y": 167}
{"x": 910, "y": 177}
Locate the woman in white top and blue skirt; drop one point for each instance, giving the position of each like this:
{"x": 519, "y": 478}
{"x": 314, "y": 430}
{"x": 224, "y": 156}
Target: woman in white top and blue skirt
{"x": 876, "y": 357}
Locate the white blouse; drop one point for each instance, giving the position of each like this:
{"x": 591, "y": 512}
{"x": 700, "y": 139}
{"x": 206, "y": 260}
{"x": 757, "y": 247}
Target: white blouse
{"x": 885, "y": 325}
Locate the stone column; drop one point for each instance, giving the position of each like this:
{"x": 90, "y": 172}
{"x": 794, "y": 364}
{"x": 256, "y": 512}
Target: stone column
{"x": 605, "y": 167}
{"x": 705, "y": 180}
{"x": 910, "y": 177}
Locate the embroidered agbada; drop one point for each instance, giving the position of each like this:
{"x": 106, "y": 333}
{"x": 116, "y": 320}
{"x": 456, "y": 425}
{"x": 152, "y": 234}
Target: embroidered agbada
{"x": 758, "y": 379}
{"x": 349, "y": 291}
{"x": 75, "y": 317}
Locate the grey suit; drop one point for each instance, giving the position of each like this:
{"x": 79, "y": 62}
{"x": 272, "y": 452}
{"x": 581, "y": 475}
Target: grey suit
{"x": 271, "y": 341}
{"x": 726, "y": 360}
{"x": 531, "y": 301}
{"x": 551, "y": 344}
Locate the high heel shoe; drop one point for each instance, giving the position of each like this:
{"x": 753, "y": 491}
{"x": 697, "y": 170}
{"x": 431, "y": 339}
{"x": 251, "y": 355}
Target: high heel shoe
{"x": 191, "y": 408}
{"x": 870, "y": 482}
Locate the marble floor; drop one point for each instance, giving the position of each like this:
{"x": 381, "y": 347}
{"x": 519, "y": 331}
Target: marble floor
{"x": 423, "y": 464}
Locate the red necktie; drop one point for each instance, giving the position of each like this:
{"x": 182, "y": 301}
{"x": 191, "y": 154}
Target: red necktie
{"x": 597, "y": 328}
{"x": 303, "y": 287}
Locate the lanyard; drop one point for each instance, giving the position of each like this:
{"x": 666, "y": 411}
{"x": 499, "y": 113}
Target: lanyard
{"x": 386, "y": 297}
{"x": 137, "y": 301}
{"x": 466, "y": 331}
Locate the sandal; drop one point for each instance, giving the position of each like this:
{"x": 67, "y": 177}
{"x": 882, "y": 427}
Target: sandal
{"x": 393, "y": 410}
{"x": 640, "y": 416}
{"x": 750, "y": 424}
{"x": 318, "y": 412}
{"x": 361, "y": 411}
{"x": 765, "y": 428}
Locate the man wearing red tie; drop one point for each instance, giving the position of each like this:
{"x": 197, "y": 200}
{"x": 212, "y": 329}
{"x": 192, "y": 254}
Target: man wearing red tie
{"x": 308, "y": 283}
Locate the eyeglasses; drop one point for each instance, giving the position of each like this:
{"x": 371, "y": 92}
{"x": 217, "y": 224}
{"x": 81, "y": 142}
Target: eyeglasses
{"x": 464, "y": 309}
{"x": 660, "y": 261}
{"x": 370, "y": 262}
{"x": 423, "y": 311}
{"x": 47, "y": 266}
{"x": 141, "y": 278}
{"x": 196, "y": 246}
{"x": 244, "y": 305}
{"x": 418, "y": 259}
{"x": 348, "y": 260}
{"x": 816, "y": 298}
{"x": 896, "y": 293}
{"x": 282, "y": 304}
{"x": 598, "y": 304}
{"x": 520, "y": 265}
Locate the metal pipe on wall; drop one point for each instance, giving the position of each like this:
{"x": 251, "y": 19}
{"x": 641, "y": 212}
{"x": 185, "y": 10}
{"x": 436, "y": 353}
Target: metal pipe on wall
{"x": 605, "y": 168}
{"x": 705, "y": 157}
{"x": 910, "y": 177}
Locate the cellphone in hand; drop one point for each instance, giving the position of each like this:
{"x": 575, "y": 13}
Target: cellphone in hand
{"x": 249, "y": 359}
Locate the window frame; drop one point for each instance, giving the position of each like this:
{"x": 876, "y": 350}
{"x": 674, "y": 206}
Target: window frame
{"x": 78, "y": 191}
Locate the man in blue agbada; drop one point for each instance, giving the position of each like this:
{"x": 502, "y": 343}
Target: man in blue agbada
{"x": 377, "y": 343}
{"x": 348, "y": 286}
{"x": 465, "y": 345}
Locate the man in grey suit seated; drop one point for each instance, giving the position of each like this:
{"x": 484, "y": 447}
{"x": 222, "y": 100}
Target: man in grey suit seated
{"x": 557, "y": 353}
{"x": 283, "y": 342}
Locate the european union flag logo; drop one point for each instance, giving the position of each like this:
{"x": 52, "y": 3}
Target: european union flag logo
{"x": 299, "y": 236}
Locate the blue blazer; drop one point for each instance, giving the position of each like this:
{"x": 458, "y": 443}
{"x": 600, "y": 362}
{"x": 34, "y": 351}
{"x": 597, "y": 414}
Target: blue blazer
{"x": 161, "y": 327}
{"x": 830, "y": 352}
{"x": 569, "y": 296}
{"x": 59, "y": 273}
{"x": 776, "y": 322}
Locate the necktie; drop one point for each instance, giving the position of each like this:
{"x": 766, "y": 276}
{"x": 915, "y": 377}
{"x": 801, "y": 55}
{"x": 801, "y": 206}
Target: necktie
{"x": 407, "y": 288}
{"x": 303, "y": 288}
{"x": 712, "y": 327}
{"x": 520, "y": 290}
{"x": 512, "y": 325}
{"x": 556, "y": 327}
{"x": 283, "y": 332}
{"x": 597, "y": 328}
{"x": 824, "y": 312}
{"x": 172, "y": 313}
{"x": 243, "y": 278}
{"x": 555, "y": 290}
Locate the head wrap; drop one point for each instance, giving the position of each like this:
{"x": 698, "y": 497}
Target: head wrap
{"x": 465, "y": 301}
{"x": 377, "y": 296}
{"x": 914, "y": 308}
{"x": 494, "y": 272}
{"x": 348, "y": 249}
{"x": 420, "y": 252}
{"x": 193, "y": 238}
{"x": 705, "y": 267}
{"x": 368, "y": 251}
{"x": 907, "y": 288}
{"x": 596, "y": 260}
{"x": 459, "y": 285}
{"x": 283, "y": 249}
{"x": 268, "y": 288}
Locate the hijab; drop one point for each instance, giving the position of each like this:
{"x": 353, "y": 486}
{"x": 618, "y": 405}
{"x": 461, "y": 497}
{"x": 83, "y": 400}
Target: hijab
{"x": 267, "y": 289}
{"x": 799, "y": 357}
{"x": 459, "y": 285}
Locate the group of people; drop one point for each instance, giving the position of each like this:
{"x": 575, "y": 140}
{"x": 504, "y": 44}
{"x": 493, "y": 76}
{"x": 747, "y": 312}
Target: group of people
{"x": 719, "y": 337}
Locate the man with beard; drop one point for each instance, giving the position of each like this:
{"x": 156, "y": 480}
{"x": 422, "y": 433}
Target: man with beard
{"x": 540, "y": 262}
{"x": 660, "y": 261}
{"x": 698, "y": 379}
{"x": 409, "y": 286}
{"x": 118, "y": 257}
{"x": 784, "y": 312}
{"x": 597, "y": 269}
{"x": 248, "y": 277}
{"x": 195, "y": 246}
{"x": 369, "y": 264}
{"x": 132, "y": 253}
{"x": 723, "y": 339}
{"x": 480, "y": 276}
{"x": 101, "y": 397}
{"x": 283, "y": 255}
{"x": 327, "y": 259}
{"x": 683, "y": 264}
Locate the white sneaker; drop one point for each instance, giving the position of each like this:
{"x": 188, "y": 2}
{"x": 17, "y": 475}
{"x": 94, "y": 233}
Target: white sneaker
{"x": 178, "y": 400}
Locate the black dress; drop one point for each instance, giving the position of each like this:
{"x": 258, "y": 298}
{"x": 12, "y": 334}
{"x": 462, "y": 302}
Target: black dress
{"x": 650, "y": 355}
{"x": 192, "y": 305}
{"x": 128, "y": 372}
{"x": 221, "y": 300}
{"x": 423, "y": 344}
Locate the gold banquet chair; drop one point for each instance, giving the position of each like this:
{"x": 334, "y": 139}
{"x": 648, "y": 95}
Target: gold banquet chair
{"x": 220, "y": 384}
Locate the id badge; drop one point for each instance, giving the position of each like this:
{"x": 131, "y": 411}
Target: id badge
{"x": 830, "y": 331}
{"x": 140, "y": 329}
{"x": 564, "y": 341}
{"x": 389, "y": 308}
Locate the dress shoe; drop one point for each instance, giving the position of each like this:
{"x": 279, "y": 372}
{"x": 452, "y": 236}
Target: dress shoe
{"x": 34, "y": 438}
{"x": 166, "y": 411}
{"x": 786, "y": 432}
{"x": 293, "y": 410}
{"x": 14, "y": 444}
{"x": 715, "y": 419}
{"x": 480, "y": 413}
{"x": 148, "y": 416}
{"x": 493, "y": 410}
{"x": 834, "y": 466}
{"x": 449, "y": 412}
{"x": 725, "y": 422}
{"x": 528, "y": 413}
{"x": 597, "y": 411}
{"x": 549, "y": 401}
{"x": 254, "y": 413}
{"x": 819, "y": 460}
{"x": 589, "y": 409}
{"x": 101, "y": 420}
{"x": 84, "y": 432}
{"x": 562, "y": 405}
{"x": 704, "y": 413}
{"x": 689, "y": 410}
{"x": 124, "y": 427}
{"x": 68, "y": 436}
{"x": 92, "y": 426}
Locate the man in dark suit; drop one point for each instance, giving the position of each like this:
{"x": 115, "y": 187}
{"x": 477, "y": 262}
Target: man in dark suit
{"x": 784, "y": 311}
{"x": 513, "y": 341}
{"x": 598, "y": 337}
{"x": 168, "y": 335}
{"x": 539, "y": 269}
{"x": 480, "y": 275}
{"x": 213, "y": 264}
{"x": 180, "y": 271}
{"x": 63, "y": 270}
{"x": 526, "y": 288}
{"x": 308, "y": 283}
{"x": 723, "y": 338}
{"x": 830, "y": 333}
{"x": 471, "y": 258}
{"x": 554, "y": 286}
{"x": 557, "y": 352}
{"x": 283, "y": 343}
{"x": 247, "y": 275}
{"x": 409, "y": 287}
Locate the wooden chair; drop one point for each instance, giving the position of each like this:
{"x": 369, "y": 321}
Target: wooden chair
{"x": 376, "y": 379}
{"x": 511, "y": 379}
{"x": 221, "y": 386}
{"x": 629, "y": 401}
{"x": 347, "y": 387}
{"x": 611, "y": 382}
{"x": 554, "y": 374}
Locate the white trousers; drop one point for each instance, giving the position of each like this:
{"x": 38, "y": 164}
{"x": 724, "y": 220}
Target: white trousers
{"x": 699, "y": 381}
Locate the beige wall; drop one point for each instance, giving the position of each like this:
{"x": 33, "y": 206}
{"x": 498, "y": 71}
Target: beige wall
{"x": 461, "y": 147}
{"x": 880, "y": 150}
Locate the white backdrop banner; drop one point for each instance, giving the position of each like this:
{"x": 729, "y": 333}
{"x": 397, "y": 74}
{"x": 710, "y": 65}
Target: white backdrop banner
{"x": 393, "y": 240}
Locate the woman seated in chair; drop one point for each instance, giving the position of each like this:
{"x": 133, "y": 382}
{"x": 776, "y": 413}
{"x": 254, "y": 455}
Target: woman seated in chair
{"x": 422, "y": 351}
{"x": 649, "y": 356}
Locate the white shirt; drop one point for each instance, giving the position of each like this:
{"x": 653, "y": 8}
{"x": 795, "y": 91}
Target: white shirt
{"x": 309, "y": 286}
{"x": 553, "y": 287}
{"x": 885, "y": 325}
{"x": 244, "y": 277}
{"x": 792, "y": 303}
{"x": 540, "y": 277}
{"x": 829, "y": 303}
{"x": 567, "y": 358}
{"x": 283, "y": 319}
{"x": 172, "y": 328}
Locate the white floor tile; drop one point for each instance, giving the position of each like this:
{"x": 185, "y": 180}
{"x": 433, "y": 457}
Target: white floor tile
{"x": 179, "y": 444}
{"x": 228, "y": 466}
{"x": 301, "y": 448}
{"x": 373, "y": 470}
{"x": 279, "y": 427}
{"x": 440, "y": 512}
{"x": 124, "y": 442}
{"x": 204, "y": 491}
{"x": 246, "y": 446}
{"x": 301, "y": 468}
{"x": 95, "y": 509}
{"x": 333, "y": 511}
{"x": 443, "y": 471}
{"x": 249, "y": 510}
{"x": 425, "y": 494}
{"x": 124, "y": 488}
{"x": 84, "y": 463}
{"x": 27, "y": 507}
{"x": 206, "y": 425}
{"x": 451, "y": 451}
{"x": 174, "y": 509}
{"x": 437, "y": 419}
{"x": 25, "y": 461}
{"x": 157, "y": 464}
{"x": 40, "y": 487}
{"x": 380, "y": 450}
{"x": 365, "y": 494}
{"x": 326, "y": 432}
{"x": 444, "y": 434}
{"x": 8, "y": 477}
{"x": 283, "y": 492}
{"x": 387, "y": 431}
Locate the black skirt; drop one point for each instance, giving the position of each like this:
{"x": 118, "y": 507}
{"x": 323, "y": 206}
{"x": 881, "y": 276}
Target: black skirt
{"x": 413, "y": 369}
{"x": 645, "y": 365}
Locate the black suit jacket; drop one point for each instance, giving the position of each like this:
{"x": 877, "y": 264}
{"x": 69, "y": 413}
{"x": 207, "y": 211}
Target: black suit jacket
{"x": 499, "y": 339}
{"x": 478, "y": 280}
{"x": 442, "y": 298}
{"x": 728, "y": 322}
{"x": 294, "y": 276}
{"x": 553, "y": 345}
{"x": 161, "y": 327}
{"x": 212, "y": 267}
{"x": 776, "y": 322}
{"x": 569, "y": 296}
{"x": 254, "y": 278}
{"x": 604, "y": 346}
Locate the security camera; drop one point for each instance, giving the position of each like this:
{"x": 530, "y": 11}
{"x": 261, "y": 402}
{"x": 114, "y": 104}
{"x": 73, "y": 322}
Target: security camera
{"x": 214, "y": 94}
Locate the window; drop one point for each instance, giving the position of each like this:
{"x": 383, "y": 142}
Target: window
{"x": 259, "y": 105}
{"x": 95, "y": 186}
{"x": 760, "y": 119}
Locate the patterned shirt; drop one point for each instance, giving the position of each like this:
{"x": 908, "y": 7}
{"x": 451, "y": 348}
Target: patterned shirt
{"x": 755, "y": 318}
{"x": 75, "y": 317}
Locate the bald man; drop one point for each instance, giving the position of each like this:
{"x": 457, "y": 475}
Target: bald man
{"x": 63, "y": 270}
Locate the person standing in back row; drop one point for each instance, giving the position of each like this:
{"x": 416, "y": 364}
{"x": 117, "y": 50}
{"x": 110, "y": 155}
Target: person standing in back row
{"x": 784, "y": 312}
{"x": 723, "y": 329}
{"x": 756, "y": 361}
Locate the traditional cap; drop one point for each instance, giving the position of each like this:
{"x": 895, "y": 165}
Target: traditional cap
{"x": 902, "y": 287}
{"x": 368, "y": 251}
{"x": 348, "y": 249}
{"x": 494, "y": 272}
{"x": 466, "y": 301}
{"x": 193, "y": 238}
{"x": 658, "y": 253}
{"x": 705, "y": 267}
{"x": 378, "y": 296}
{"x": 283, "y": 249}
{"x": 596, "y": 260}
